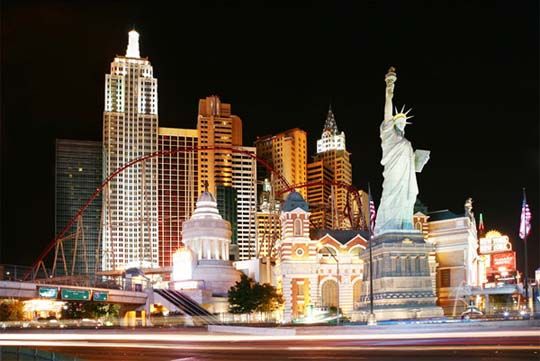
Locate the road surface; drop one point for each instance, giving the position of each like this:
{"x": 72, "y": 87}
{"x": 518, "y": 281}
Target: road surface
{"x": 438, "y": 343}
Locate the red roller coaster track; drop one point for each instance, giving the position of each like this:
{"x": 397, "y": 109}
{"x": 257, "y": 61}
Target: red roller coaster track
{"x": 39, "y": 261}
{"x": 285, "y": 187}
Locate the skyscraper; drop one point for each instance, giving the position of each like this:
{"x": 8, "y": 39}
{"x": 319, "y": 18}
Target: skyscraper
{"x": 177, "y": 187}
{"x": 77, "y": 175}
{"x": 130, "y": 131}
{"x": 222, "y": 168}
{"x": 216, "y": 127}
{"x": 286, "y": 152}
{"x": 331, "y": 164}
{"x": 268, "y": 223}
{"x": 245, "y": 182}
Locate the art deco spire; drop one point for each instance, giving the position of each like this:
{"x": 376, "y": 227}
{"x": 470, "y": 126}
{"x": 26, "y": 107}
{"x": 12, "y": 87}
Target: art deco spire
{"x": 481, "y": 229}
{"x": 330, "y": 123}
{"x": 331, "y": 138}
{"x": 133, "y": 45}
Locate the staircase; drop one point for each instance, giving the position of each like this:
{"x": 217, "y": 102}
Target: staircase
{"x": 188, "y": 306}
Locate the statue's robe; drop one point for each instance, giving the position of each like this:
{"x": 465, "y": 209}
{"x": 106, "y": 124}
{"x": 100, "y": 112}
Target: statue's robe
{"x": 399, "y": 187}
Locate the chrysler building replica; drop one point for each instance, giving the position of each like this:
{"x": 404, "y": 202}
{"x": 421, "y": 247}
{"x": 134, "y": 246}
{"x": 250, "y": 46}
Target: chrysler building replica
{"x": 130, "y": 131}
{"x": 330, "y": 165}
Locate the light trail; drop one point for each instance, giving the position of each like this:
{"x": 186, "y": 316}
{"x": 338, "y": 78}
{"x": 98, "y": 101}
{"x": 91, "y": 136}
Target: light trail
{"x": 181, "y": 337}
{"x": 266, "y": 348}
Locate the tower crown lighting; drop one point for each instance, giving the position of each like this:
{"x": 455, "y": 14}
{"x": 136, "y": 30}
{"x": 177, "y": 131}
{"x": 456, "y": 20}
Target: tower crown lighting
{"x": 133, "y": 45}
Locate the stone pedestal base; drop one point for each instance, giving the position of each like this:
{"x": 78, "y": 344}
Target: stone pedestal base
{"x": 403, "y": 313}
{"x": 402, "y": 281}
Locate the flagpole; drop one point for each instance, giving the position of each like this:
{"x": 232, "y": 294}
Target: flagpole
{"x": 372, "y": 321}
{"x": 526, "y": 278}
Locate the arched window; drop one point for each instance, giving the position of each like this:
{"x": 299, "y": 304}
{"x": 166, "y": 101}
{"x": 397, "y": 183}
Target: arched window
{"x": 297, "y": 228}
{"x": 329, "y": 293}
{"x": 418, "y": 226}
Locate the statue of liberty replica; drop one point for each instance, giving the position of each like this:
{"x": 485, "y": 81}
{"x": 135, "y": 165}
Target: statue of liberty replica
{"x": 400, "y": 163}
{"x": 403, "y": 270}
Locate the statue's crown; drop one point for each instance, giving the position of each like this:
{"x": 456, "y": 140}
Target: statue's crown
{"x": 402, "y": 113}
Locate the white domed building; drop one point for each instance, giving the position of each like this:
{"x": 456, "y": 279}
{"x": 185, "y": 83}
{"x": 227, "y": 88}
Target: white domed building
{"x": 201, "y": 269}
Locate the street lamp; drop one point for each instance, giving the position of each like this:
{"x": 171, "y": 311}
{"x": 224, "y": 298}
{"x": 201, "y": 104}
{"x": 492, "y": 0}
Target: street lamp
{"x": 337, "y": 277}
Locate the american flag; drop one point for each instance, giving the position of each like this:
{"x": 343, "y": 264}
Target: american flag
{"x": 525, "y": 224}
{"x": 372, "y": 212}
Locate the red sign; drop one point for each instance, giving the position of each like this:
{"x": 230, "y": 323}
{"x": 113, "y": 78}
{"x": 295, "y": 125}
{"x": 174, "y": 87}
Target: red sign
{"x": 503, "y": 261}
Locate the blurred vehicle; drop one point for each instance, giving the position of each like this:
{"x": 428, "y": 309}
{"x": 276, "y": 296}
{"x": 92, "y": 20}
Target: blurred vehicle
{"x": 88, "y": 322}
{"x": 472, "y": 312}
{"x": 513, "y": 314}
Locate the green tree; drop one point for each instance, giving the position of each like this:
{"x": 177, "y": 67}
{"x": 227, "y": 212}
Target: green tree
{"x": 73, "y": 310}
{"x": 267, "y": 298}
{"x": 89, "y": 309}
{"x": 247, "y": 296}
{"x": 11, "y": 310}
{"x": 240, "y": 296}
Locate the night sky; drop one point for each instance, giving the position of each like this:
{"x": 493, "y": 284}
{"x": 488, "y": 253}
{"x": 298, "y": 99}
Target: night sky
{"x": 468, "y": 69}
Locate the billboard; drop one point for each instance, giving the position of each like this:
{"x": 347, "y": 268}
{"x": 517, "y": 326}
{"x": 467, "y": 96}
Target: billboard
{"x": 504, "y": 261}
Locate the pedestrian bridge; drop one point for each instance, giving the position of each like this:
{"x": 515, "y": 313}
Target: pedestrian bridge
{"x": 29, "y": 290}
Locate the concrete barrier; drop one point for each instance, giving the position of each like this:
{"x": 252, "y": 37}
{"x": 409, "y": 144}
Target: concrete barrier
{"x": 253, "y": 330}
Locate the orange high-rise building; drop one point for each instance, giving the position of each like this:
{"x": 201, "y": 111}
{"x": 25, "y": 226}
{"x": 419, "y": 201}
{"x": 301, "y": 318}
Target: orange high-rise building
{"x": 286, "y": 152}
{"x": 216, "y": 126}
{"x": 331, "y": 164}
{"x": 177, "y": 188}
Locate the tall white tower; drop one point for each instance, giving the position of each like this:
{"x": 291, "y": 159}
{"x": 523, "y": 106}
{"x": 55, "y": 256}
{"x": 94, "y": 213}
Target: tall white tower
{"x": 130, "y": 131}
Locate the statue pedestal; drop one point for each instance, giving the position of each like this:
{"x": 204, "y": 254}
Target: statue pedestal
{"x": 402, "y": 281}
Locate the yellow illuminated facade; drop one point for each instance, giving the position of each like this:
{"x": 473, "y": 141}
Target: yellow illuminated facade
{"x": 216, "y": 127}
{"x": 330, "y": 165}
{"x": 286, "y": 152}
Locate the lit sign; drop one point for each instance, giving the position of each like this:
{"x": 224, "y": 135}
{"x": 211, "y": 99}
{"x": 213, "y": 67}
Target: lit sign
{"x": 100, "y": 296}
{"x": 505, "y": 261}
{"x": 495, "y": 244}
{"x": 48, "y": 292}
{"x": 76, "y": 295}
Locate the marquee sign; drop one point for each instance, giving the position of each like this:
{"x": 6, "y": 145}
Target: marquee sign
{"x": 504, "y": 261}
{"x": 495, "y": 244}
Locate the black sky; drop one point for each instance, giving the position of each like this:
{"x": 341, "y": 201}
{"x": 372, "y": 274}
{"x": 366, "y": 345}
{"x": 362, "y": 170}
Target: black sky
{"x": 469, "y": 69}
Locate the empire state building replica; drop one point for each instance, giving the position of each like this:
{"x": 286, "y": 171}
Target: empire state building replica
{"x": 130, "y": 131}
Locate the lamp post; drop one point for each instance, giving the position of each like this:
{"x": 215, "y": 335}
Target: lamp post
{"x": 337, "y": 277}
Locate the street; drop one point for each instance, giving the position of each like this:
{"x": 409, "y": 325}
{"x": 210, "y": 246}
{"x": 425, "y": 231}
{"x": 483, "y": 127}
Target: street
{"x": 345, "y": 343}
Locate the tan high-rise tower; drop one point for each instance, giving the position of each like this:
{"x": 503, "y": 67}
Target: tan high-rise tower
{"x": 231, "y": 176}
{"x": 331, "y": 164}
{"x": 216, "y": 127}
{"x": 286, "y": 152}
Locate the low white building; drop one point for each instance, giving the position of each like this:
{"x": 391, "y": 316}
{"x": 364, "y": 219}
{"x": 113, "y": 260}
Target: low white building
{"x": 201, "y": 269}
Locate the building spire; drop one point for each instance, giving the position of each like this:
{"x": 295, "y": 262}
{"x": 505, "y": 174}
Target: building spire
{"x": 481, "y": 229}
{"x": 133, "y": 45}
{"x": 330, "y": 123}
